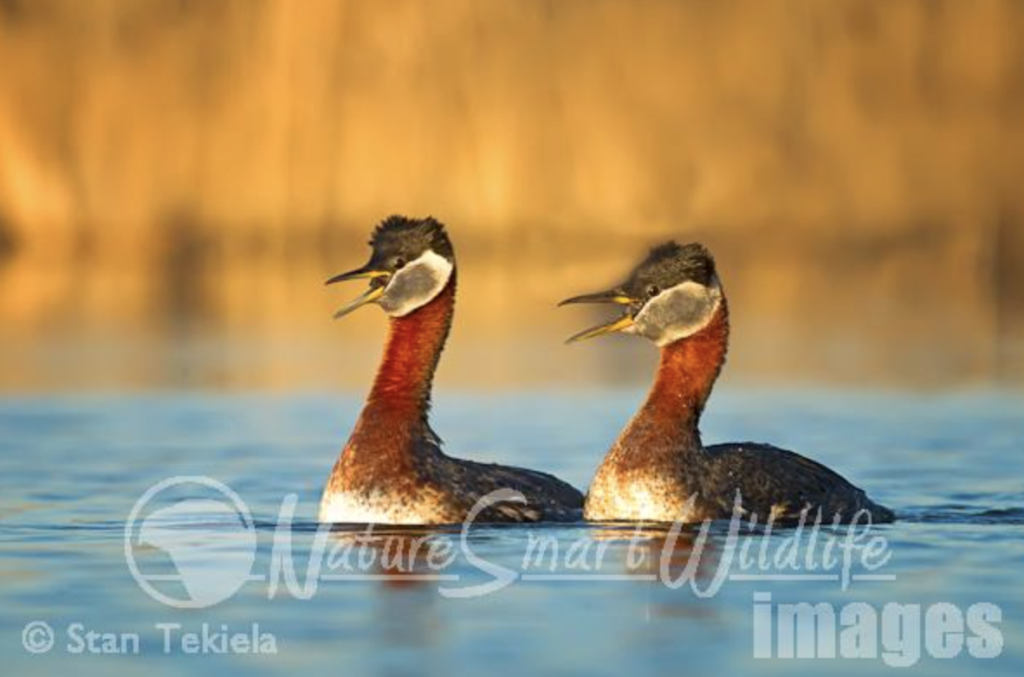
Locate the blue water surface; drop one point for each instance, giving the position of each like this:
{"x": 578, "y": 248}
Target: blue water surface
{"x": 73, "y": 467}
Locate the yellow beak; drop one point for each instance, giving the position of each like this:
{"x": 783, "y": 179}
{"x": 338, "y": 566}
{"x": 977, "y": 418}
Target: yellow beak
{"x": 612, "y": 296}
{"x": 371, "y": 295}
{"x": 619, "y": 325}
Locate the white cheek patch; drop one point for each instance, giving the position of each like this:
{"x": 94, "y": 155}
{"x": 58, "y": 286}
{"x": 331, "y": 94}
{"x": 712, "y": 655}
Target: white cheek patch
{"x": 416, "y": 284}
{"x": 678, "y": 312}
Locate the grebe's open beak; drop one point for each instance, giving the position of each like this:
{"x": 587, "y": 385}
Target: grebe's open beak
{"x": 619, "y": 325}
{"x": 378, "y": 282}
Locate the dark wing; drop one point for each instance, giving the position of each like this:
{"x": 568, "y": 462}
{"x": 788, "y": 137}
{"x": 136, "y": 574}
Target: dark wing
{"x": 782, "y": 483}
{"x": 547, "y": 497}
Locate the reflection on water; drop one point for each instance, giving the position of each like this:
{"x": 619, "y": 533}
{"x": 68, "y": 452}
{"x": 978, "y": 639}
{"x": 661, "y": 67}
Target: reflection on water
{"x": 401, "y": 557}
{"x": 798, "y": 314}
{"x": 71, "y": 469}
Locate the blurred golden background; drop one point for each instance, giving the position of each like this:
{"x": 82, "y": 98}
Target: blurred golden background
{"x": 177, "y": 178}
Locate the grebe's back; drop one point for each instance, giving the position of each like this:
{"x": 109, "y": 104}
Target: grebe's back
{"x": 392, "y": 469}
{"x": 658, "y": 469}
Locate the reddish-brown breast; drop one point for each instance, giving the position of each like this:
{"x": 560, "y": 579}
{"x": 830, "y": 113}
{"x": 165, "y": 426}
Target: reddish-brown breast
{"x": 382, "y": 449}
{"x": 652, "y": 469}
{"x": 686, "y": 374}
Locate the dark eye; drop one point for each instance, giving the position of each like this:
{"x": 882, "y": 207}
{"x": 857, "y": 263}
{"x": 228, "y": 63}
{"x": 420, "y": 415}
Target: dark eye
{"x": 653, "y": 291}
{"x": 399, "y": 263}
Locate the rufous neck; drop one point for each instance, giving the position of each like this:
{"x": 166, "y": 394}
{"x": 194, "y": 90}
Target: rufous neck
{"x": 413, "y": 348}
{"x": 686, "y": 374}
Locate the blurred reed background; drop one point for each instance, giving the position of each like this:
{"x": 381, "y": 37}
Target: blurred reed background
{"x": 177, "y": 178}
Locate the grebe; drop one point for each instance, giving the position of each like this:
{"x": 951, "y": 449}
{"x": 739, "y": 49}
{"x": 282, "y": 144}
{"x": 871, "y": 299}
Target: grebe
{"x": 392, "y": 470}
{"x": 658, "y": 469}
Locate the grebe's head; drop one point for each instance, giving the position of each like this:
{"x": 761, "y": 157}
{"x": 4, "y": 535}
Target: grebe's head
{"x": 673, "y": 294}
{"x": 412, "y": 261}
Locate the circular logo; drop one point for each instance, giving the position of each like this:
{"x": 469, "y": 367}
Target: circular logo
{"x": 190, "y": 542}
{"x": 37, "y": 637}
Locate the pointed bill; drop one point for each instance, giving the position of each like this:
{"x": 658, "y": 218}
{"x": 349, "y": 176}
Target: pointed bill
{"x": 358, "y": 274}
{"x": 611, "y": 296}
{"x": 619, "y": 325}
{"x": 370, "y": 296}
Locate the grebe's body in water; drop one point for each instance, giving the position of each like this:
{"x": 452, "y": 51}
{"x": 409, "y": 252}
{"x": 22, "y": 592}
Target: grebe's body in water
{"x": 658, "y": 469}
{"x": 392, "y": 470}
